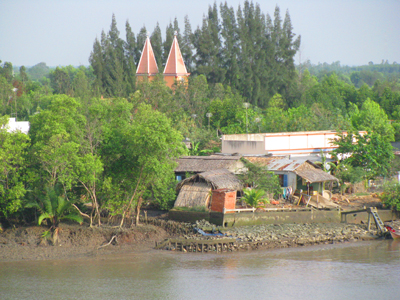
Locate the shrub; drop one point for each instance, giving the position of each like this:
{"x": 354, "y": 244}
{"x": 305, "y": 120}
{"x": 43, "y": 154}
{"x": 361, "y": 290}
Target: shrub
{"x": 391, "y": 195}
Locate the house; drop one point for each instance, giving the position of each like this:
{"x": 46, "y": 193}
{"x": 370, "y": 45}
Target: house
{"x": 13, "y": 126}
{"x": 281, "y": 143}
{"x": 196, "y": 190}
{"x": 174, "y": 71}
{"x": 299, "y": 174}
{"x": 199, "y": 164}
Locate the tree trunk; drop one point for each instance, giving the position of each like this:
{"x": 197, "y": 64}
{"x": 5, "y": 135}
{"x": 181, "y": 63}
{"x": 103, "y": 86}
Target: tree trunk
{"x": 139, "y": 204}
{"x": 133, "y": 197}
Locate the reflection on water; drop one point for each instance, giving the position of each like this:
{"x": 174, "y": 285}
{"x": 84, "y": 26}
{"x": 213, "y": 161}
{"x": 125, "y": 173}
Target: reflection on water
{"x": 367, "y": 270}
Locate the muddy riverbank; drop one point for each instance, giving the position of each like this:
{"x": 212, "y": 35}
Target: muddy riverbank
{"x": 76, "y": 241}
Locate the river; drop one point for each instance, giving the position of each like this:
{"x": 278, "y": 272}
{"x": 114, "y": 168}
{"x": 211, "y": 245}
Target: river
{"x": 363, "y": 270}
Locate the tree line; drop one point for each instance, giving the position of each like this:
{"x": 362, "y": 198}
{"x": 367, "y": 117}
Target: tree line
{"x": 99, "y": 137}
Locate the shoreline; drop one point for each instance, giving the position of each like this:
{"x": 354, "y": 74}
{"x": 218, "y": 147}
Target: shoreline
{"x": 76, "y": 241}
{"x": 270, "y": 236}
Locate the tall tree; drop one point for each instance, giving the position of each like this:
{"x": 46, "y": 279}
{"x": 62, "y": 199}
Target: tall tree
{"x": 373, "y": 118}
{"x": 207, "y": 43}
{"x": 156, "y": 43}
{"x": 13, "y": 148}
{"x": 149, "y": 147}
{"x": 229, "y": 33}
{"x": 130, "y": 59}
{"x": 114, "y": 62}
{"x": 186, "y": 45}
{"x": 140, "y": 40}
{"x": 97, "y": 62}
{"x": 371, "y": 151}
{"x": 169, "y": 36}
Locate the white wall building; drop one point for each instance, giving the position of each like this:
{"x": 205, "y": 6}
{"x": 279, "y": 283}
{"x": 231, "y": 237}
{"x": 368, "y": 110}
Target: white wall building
{"x": 22, "y": 126}
{"x": 281, "y": 143}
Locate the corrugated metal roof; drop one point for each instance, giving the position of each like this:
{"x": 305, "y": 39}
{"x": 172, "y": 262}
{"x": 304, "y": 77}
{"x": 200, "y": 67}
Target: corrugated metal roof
{"x": 278, "y": 163}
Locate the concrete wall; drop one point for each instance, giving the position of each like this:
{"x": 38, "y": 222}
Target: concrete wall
{"x": 188, "y": 216}
{"x": 22, "y": 126}
{"x": 243, "y": 147}
{"x": 278, "y": 217}
{"x": 362, "y": 217}
{"x": 282, "y": 217}
{"x": 282, "y": 143}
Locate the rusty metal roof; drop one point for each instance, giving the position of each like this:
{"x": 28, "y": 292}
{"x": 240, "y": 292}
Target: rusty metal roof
{"x": 302, "y": 167}
{"x": 278, "y": 163}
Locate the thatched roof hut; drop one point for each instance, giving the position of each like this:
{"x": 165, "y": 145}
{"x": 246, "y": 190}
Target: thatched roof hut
{"x": 196, "y": 190}
{"x": 199, "y": 164}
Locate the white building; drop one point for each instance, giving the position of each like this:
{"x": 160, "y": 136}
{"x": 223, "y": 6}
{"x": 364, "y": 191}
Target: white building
{"x": 281, "y": 143}
{"x": 22, "y": 126}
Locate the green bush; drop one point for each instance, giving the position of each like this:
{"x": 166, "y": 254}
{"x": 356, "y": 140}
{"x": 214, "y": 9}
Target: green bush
{"x": 253, "y": 197}
{"x": 391, "y": 195}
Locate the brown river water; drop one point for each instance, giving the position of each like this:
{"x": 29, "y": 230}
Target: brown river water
{"x": 362, "y": 270}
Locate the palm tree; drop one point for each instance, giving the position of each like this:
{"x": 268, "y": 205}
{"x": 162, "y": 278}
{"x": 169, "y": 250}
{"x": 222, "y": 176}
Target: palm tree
{"x": 253, "y": 197}
{"x": 55, "y": 208}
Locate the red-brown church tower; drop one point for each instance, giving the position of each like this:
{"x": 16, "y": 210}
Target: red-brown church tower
{"x": 147, "y": 67}
{"x": 175, "y": 69}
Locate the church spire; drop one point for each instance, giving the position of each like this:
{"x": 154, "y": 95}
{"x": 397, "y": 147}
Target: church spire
{"x": 175, "y": 68}
{"x": 147, "y": 64}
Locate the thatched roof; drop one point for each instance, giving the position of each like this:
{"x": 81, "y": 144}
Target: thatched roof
{"x": 195, "y": 190}
{"x": 193, "y": 194}
{"x": 216, "y": 179}
{"x": 315, "y": 175}
{"x": 198, "y": 164}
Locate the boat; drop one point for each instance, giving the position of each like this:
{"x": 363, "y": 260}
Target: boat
{"x": 395, "y": 235}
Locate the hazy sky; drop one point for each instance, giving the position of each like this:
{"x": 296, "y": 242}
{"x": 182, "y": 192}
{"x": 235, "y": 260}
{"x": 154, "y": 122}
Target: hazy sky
{"x": 62, "y": 32}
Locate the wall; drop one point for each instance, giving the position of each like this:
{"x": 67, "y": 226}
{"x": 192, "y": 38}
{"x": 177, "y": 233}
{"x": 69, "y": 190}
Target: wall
{"x": 282, "y": 217}
{"x": 188, "y": 216}
{"x": 292, "y": 178}
{"x": 359, "y": 217}
{"x": 278, "y": 217}
{"x": 13, "y": 125}
{"x": 282, "y": 143}
{"x": 243, "y": 147}
{"x": 223, "y": 198}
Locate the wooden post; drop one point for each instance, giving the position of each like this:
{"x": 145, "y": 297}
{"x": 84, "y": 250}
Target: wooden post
{"x": 369, "y": 221}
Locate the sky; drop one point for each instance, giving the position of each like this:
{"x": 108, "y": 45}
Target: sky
{"x": 62, "y": 32}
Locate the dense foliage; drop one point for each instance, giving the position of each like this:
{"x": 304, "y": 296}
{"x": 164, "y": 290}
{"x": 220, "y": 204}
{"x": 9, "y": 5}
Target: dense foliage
{"x": 391, "y": 195}
{"x": 104, "y": 141}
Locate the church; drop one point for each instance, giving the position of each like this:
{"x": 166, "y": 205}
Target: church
{"x": 174, "y": 71}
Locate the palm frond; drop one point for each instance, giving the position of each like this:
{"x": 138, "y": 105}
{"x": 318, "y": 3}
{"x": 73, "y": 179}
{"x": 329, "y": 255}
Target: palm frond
{"x": 43, "y": 216}
{"x": 73, "y": 217}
